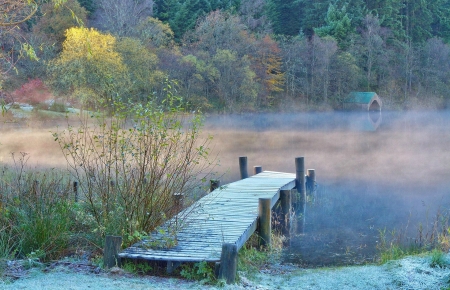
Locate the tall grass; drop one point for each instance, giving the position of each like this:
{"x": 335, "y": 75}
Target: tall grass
{"x": 432, "y": 236}
{"x": 130, "y": 166}
{"x": 35, "y": 211}
{"x": 253, "y": 257}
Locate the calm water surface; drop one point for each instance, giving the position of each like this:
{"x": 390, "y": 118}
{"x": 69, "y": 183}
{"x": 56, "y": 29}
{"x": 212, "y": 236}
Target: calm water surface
{"x": 379, "y": 176}
{"x": 376, "y": 173}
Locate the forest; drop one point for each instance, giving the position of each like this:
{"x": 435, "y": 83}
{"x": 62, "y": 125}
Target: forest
{"x": 226, "y": 56}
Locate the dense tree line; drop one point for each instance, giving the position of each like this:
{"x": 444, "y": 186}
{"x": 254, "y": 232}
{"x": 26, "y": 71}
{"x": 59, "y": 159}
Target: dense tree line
{"x": 238, "y": 55}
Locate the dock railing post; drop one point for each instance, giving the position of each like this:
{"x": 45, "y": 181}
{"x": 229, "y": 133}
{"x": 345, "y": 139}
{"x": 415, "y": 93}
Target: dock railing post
{"x": 257, "y": 169}
{"x": 300, "y": 177}
{"x": 178, "y": 202}
{"x": 113, "y": 245}
{"x": 243, "y": 167}
{"x": 228, "y": 262}
{"x": 300, "y": 206}
{"x": 311, "y": 181}
{"x": 265, "y": 221}
{"x": 285, "y": 201}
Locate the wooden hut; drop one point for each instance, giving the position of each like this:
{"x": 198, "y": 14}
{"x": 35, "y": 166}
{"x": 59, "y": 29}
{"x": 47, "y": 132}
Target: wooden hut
{"x": 367, "y": 101}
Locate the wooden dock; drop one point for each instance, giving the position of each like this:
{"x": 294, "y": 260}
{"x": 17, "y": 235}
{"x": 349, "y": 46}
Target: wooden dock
{"x": 229, "y": 214}
{"x": 226, "y": 217}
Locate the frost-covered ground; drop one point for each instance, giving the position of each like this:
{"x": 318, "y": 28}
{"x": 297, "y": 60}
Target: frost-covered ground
{"x": 408, "y": 273}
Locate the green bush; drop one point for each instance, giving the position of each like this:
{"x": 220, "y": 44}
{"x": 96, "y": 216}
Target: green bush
{"x": 58, "y": 107}
{"x": 201, "y": 271}
{"x": 136, "y": 268}
{"x": 129, "y": 165}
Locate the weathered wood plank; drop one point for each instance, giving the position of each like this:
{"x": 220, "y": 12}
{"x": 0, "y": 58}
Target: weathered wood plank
{"x": 228, "y": 214}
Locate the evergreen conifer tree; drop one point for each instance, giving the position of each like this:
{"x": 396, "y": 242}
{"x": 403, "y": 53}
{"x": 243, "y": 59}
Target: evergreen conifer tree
{"x": 285, "y": 16}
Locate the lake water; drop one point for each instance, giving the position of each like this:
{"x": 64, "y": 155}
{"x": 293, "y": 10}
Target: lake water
{"x": 388, "y": 172}
{"x": 384, "y": 173}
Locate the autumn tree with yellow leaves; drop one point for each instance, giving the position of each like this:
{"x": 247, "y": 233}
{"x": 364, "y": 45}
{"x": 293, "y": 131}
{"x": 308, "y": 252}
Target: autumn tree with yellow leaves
{"x": 89, "y": 68}
{"x": 96, "y": 69}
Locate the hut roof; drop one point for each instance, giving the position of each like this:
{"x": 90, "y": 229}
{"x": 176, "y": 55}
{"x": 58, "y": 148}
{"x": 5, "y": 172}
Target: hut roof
{"x": 360, "y": 97}
{"x": 363, "y": 100}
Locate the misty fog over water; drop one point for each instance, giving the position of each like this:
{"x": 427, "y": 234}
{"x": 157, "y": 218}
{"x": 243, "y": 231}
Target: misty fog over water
{"x": 374, "y": 172}
{"x": 381, "y": 173}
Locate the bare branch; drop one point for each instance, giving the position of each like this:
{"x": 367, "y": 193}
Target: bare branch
{"x": 121, "y": 16}
{"x": 14, "y": 12}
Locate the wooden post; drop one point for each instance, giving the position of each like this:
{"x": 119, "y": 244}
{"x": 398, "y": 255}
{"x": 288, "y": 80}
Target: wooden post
{"x": 311, "y": 181}
{"x": 178, "y": 200}
{"x": 257, "y": 169}
{"x": 171, "y": 266}
{"x": 217, "y": 269}
{"x": 214, "y": 184}
{"x": 75, "y": 190}
{"x": 111, "y": 251}
{"x": 243, "y": 167}
{"x": 285, "y": 201}
{"x": 228, "y": 262}
{"x": 300, "y": 177}
{"x": 265, "y": 221}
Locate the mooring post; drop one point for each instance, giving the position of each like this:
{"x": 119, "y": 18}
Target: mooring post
{"x": 75, "y": 190}
{"x": 285, "y": 201}
{"x": 111, "y": 251}
{"x": 265, "y": 221}
{"x": 243, "y": 167}
{"x": 257, "y": 169}
{"x": 228, "y": 262}
{"x": 311, "y": 181}
{"x": 178, "y": 202}
{"x": 214, "y": 184}
{"x": 300, "y": 177}
{"x": 217, "y": 269}
{"x": 171, "y": 266}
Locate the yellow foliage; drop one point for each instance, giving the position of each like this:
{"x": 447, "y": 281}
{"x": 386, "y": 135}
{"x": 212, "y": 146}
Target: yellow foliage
{"x": 89, "y": 43}
{"x": 90, "y": 62}
{"x": 275, "y": 78}
{"x": 138, "y": 58}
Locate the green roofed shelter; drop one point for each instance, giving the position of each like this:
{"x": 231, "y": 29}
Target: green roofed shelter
{"x": 368, "y": 101}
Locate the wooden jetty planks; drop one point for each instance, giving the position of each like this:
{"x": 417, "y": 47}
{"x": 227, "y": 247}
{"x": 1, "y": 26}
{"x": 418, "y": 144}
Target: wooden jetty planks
{"x": 229, "y": 214}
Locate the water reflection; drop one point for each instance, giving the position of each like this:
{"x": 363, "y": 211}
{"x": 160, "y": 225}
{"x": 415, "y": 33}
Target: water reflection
{"x": 348, "y": 222}
{"x": 376, "y": 174}
{"x": 359, "y": 121}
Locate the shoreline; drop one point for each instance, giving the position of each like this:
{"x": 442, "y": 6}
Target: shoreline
{"x": 413, "y": 272}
